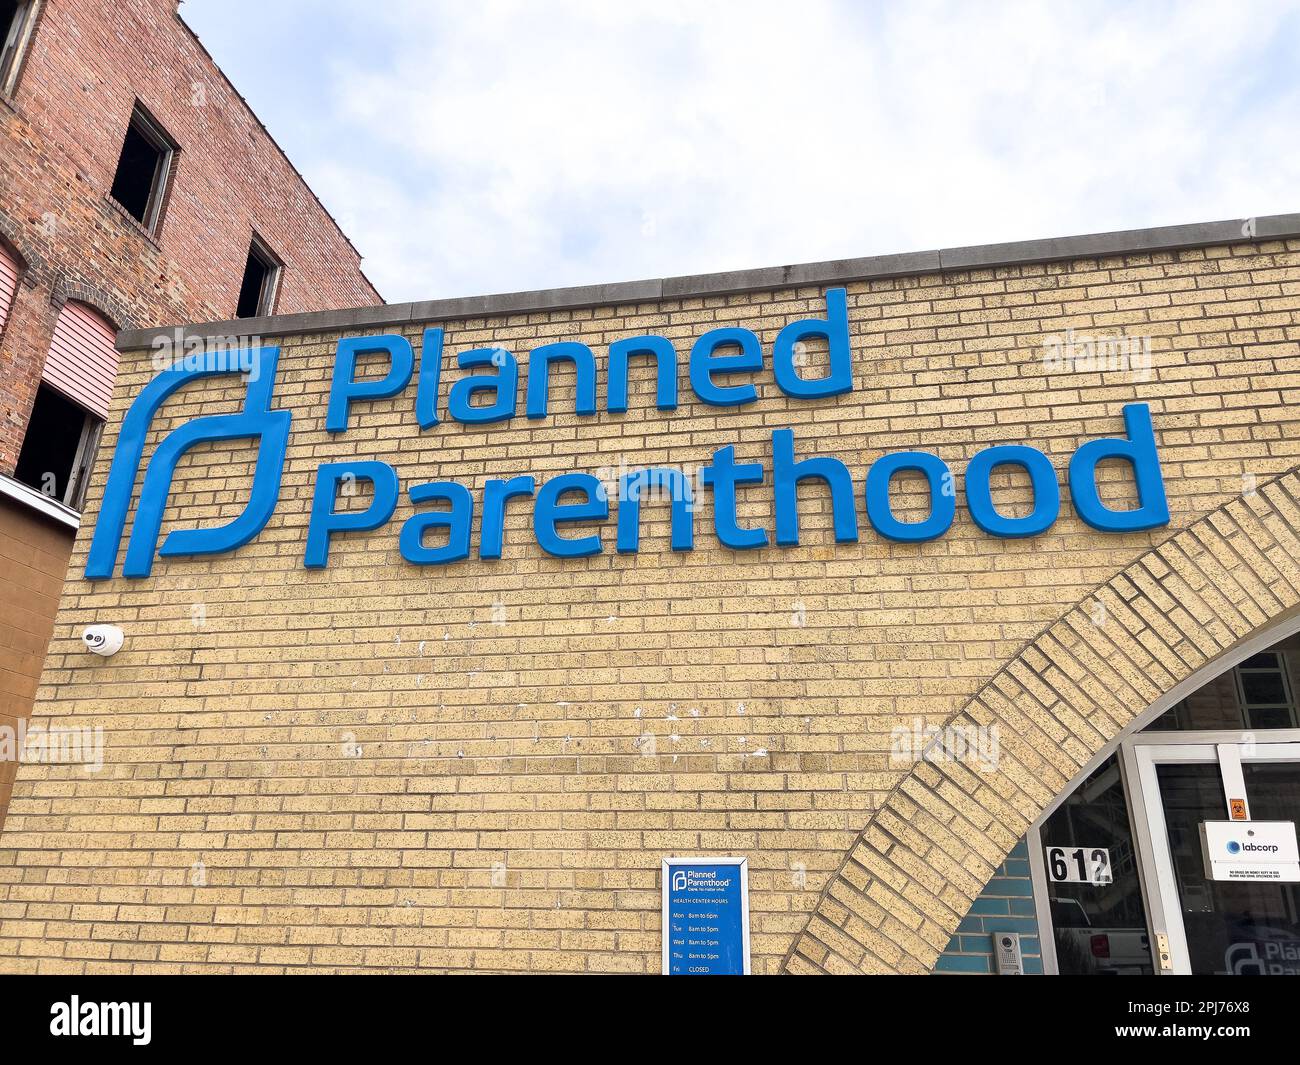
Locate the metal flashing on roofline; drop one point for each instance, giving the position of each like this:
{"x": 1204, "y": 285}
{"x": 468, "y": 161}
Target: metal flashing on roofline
{"x": 906, "y": 264}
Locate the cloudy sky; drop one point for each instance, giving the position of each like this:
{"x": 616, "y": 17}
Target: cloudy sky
{"x": 496, "y": 145}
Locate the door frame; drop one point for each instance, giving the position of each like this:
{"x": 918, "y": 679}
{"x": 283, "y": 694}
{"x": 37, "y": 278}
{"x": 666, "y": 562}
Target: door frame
{"x": 1041, "y": 886}
{"x": 1261, "y": 640}
{"x": 1142, "y": 755}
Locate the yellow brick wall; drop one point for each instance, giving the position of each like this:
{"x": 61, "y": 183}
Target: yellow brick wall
{"x": 480, "y": 766}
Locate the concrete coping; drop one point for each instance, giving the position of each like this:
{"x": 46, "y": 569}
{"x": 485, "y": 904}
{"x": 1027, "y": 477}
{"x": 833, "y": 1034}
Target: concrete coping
{"x": 906, "y": 264}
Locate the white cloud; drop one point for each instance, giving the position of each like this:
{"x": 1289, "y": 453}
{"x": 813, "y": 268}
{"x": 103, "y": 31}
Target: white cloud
{"x": 523, "y": 145}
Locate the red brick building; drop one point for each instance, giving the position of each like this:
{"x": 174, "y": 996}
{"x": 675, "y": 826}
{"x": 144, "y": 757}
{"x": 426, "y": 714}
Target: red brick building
{"x": 137, "y": 189}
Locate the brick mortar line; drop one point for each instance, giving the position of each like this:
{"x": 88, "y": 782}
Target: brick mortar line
{"x": 1232, "y": 544}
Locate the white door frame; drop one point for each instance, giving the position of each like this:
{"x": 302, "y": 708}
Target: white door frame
{"x": 1142, "y": 755}
{"x": 1129, "y": 735}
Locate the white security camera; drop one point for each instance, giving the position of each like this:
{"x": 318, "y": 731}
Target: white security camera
{"x": 103, "y": 639}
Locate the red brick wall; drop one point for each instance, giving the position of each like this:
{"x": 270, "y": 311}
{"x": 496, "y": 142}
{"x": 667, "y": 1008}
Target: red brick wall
{"x": 60, "y": 135}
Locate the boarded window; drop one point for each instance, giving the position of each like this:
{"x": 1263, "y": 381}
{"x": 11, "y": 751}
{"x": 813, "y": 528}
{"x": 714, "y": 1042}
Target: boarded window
{"x": 83, "y": 359}
{"x": 8, "y": 284}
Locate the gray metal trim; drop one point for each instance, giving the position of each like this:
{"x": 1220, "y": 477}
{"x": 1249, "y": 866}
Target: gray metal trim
{"x": 984, "y": 256}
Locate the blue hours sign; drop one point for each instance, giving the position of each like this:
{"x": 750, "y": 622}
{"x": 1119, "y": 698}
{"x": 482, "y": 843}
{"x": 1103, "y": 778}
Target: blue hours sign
{"x": 706, "y": 916}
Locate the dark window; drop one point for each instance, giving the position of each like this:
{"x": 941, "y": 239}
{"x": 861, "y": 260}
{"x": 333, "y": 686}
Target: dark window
{"x": 59, "y": 448}
{"x": 1259, "y": 693}
{"x": 1098, "y": 928}
{"x": 142, "y": 169}
{"x": 261, "y": 279}
{"x": 16, "y": 18}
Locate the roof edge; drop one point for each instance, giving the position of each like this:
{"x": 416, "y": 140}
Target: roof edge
{"x": 975, "y": 257}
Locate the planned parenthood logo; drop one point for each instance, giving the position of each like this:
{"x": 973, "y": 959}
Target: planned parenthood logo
{"x": 1270, "y": 957}
{"x": 257, "y": 421}
{"x": 619, "y": 495}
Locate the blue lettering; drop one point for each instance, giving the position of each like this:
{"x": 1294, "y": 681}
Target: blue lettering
{"x": 723, "y": 476}
{"x": 631, "y": 486}
{"x": 495, "y": 494}
{"x": 665, "y": 356}
{"x": 1042, "y": 477}
{"x": 943, "y": 503}
{"x": 502, "y": 385}
{"x": 325, "y": 522}
{"x": 456, "y": 521}
{"x": 539, "y": 368}
{"x": 1139, "y": 449}
{"x": 835, "y": 330}
{"x": 786, "y": 475}
{"x": 705, "y": 362}
{"x": 548, "y": 511}
{"x": 345, "y": 388}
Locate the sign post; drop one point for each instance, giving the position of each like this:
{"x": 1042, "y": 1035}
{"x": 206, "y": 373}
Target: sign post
{"x": 705, "y": 916}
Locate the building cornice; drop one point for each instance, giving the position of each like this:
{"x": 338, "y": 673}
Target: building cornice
{"x": 695, "y": 286}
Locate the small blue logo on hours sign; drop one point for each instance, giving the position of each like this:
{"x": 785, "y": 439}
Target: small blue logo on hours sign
{"x": 1234, "y": 847}
{"x": 705, "y": 916}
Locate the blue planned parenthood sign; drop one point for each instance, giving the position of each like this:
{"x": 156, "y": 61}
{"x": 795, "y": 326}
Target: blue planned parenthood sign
{"x": 706, "y": 916}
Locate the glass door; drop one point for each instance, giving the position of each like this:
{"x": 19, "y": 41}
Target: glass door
{"x": 1214, "y": 926}
{"x": 1090, "y": 880}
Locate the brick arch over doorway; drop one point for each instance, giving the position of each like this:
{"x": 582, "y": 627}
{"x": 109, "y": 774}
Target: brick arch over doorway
{"x": 928, "y": 851}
